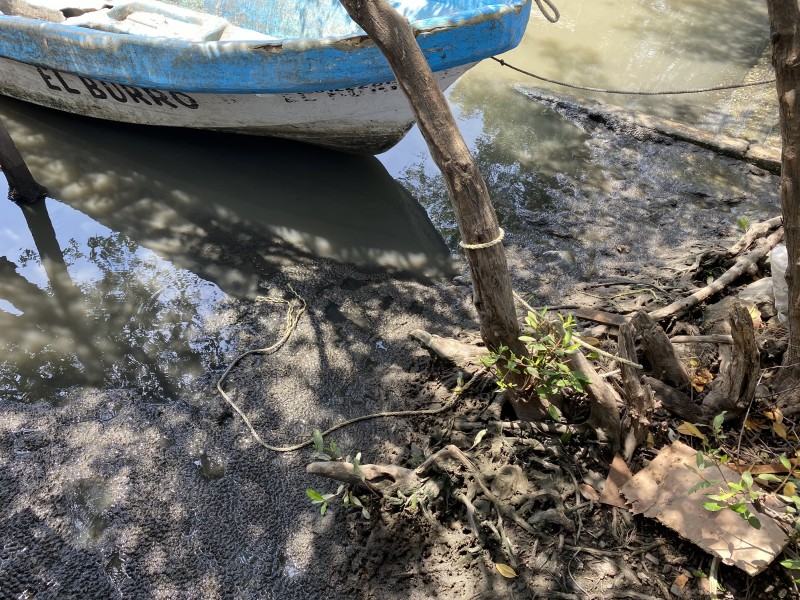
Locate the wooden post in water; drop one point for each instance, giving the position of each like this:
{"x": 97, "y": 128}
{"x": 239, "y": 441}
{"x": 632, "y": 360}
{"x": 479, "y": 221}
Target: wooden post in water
{"x": 22, "y": 187}
{"x": 481, "y": 236}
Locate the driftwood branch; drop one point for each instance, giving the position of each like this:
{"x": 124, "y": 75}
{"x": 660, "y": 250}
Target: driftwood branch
{"x": 380, "y": 479}
{"x": 742, "y": 264}
{"x": 660, "y": 353}
{"x": 676, "y": 402}
{"x": 702, "y": 339}
{"x": 639, "y": 397}
{"x": 754, "y": 231}
{"x": 735, "y": 387}
{"x": 463, "y": 355}
{"x": 604, "y": 418}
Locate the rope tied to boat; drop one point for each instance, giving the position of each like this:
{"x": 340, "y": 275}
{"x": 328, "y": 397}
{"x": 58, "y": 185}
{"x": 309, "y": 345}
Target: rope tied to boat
{"x": 485, "y": 245}
{"x": 555, "y": 16}
{"x": 731, "y": 86}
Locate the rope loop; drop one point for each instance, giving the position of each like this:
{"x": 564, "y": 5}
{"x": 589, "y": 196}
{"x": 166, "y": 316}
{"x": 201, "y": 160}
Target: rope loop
{"x": 484, "y": 245}
{"x": 552, "y": 18}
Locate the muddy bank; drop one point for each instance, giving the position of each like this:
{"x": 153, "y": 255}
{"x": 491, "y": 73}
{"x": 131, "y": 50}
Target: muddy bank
{"x": 108, "y": 492}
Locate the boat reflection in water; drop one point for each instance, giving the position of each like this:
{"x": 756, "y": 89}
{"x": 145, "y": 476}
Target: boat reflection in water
{"x": 145, "y": 234}
{"x": 165, "y": 189}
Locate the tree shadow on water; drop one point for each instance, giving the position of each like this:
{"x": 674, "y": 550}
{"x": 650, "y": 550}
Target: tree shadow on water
{"x": 132, "y": 477}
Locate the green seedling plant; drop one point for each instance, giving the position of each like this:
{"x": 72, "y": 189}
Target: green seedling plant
{"x": 331, "y": 452}
{"x": 743, "y": 223}
{"x": 736, "y": 496}
{"x": 546, "y": 370}
{"x": 739, "y": 496}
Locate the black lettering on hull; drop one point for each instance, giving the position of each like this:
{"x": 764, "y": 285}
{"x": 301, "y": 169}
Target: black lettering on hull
{"x": 105, "y": 90}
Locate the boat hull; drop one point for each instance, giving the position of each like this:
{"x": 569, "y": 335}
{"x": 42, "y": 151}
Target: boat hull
{"x": 365, "y": 119}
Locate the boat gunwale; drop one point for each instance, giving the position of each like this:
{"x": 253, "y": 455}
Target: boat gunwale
{"x": 31, "y": 41}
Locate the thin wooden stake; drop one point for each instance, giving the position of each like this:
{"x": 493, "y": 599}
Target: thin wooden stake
{"x": 474, "y": 212}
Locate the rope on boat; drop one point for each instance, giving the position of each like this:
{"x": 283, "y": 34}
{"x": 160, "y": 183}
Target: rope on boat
{"x": 553, "y": 18}
{"x": 488, "y": 244}
{"x": 718, "y": 88}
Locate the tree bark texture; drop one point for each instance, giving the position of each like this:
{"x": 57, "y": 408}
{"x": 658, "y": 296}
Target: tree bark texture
{"x": 638, "y": 397}
{"x": 784, "y": 20}
{"x": 735, "y": 387}
{"x": 474, "y": 212}
{"x": 660, "y": 353}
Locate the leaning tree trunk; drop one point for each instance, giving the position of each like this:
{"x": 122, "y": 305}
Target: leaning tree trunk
{"x": 474, "y": 212}
{"x": 784, "y": 19}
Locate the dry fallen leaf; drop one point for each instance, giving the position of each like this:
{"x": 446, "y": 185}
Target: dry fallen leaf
{"x": 701, "y": 379}
{"x": 789, "y": 489}
{"x": 690, "y": 429}
{"x": 588, "y": 492}
{"x": 505, "y": 571}
{"x": 779, "y": 429}
{"x": 774, "y": 415}
{"x": 754, "y": 424}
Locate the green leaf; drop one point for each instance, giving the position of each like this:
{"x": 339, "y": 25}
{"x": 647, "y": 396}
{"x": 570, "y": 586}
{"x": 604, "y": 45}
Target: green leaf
{"x": 314, "y": 495}
{"x": 323, "y": 508}
{"x": 739, "y": 507}
{"x": 555, "y": 414}
{"x": 712, "y": 506}
{"x": 335, "y": 450}
{"x": 318, "y": 443}
{"x": 365, "y": 513}
{"x": 753, "y": 521}
{"x": 747, "y": 479}
{"x": 786, "y": 463}
{"x": 716, "y": 425}
{"x": 791, "y": 563}
{"x": 698, "y": 486}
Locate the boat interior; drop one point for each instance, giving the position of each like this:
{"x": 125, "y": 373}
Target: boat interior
{"x": 150, "y": 18}
{"x": 217, "y": 20}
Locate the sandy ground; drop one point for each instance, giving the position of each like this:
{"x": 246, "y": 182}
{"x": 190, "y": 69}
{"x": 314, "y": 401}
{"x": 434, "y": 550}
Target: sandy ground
{"x": 106, "y": 495}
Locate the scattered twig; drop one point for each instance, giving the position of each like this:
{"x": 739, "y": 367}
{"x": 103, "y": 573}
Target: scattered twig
{"x": 702, "y": 339}
{"x": 754, "y": 231}
{"x": 762, "y": 247}
{"x": 453, "y": 452}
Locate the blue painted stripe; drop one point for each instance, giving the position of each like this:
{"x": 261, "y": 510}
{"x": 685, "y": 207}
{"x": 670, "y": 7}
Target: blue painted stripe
{"x": 247, "y": 67}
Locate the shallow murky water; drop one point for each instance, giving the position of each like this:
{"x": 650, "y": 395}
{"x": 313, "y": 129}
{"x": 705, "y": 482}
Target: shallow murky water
{"x": 529, "y": 152}
{"x": 130, "y": 287}
{"x": 148, "y": 233}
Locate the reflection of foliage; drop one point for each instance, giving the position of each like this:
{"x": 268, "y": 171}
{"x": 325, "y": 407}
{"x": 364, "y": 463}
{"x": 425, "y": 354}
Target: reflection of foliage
{"x": 122, "y": 316}
{"x": 523, "y": 151}
{"x": 27, "y": 256}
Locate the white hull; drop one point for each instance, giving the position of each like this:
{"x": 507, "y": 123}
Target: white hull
{"x": 369, "y": 118}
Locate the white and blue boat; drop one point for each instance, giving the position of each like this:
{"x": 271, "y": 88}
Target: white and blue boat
{"x": 297, "y": 69}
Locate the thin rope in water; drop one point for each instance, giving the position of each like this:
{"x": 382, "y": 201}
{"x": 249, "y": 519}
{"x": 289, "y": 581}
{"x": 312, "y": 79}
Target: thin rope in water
{"x": 292, "y": 318}
{"x": 718, "y": 88}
